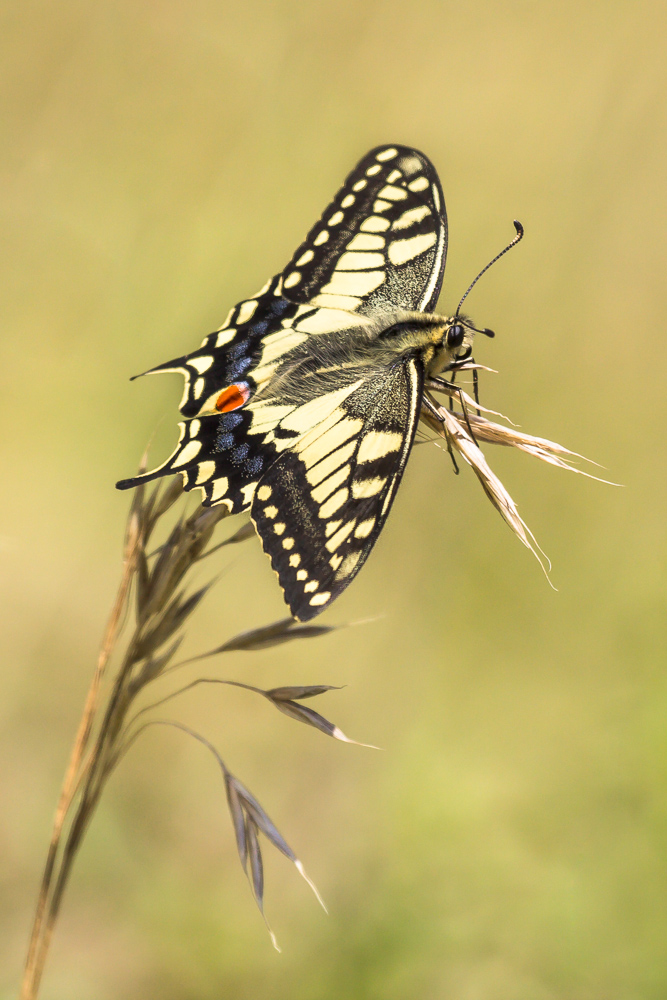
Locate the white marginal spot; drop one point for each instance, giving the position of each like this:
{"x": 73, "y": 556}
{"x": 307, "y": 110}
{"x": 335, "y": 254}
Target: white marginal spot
{"x": 264, "y": 289}
{"x": 360, "y": 185}
{"x": 381, "y": 206}
{"x": 367, "y": 487}
{"x": 336, "y": 540}
{"x": 377, "y": 444}
{"x": 294, "y": 560}
{"x": 305, "y": 258}
{"x": 301, "y": 573}
{"x": 263, "y": 493}
{"x": 201, "y": 364}
{"x": 354, "y": 283}
{"x": 364, "y": 529}
{"x": 292, "y": 279}
{"x": 248, "y": 493}
{"x": 335, "y": 562}
{"x": 362, "y": 241}
{"x": 401, "y": 251}
{"x": 393, "y": 193}
{"x": 288, "y": 543}
{"x": 317, "y": 473}
{"x": 190, "y": 451}
{"x": 320, "y": 598}
{"x": 387, "y": 154}
{"x": 198, "y": 387}
{"x": 436, "y": 196}
{"x": 225, "y": 336}
{"x": 374, "y": 224}
{"x": 353, "y": 261}
{"x": 219, "y": 488}
{"x": 321, "y": 492}
{"x": 194, "y": 428}
{"x": 279, "y": 528}
{"x": 204, "y": 472}
{"x": 336, "y": 218}
{"x": 333, "y": 504}
{"x": 418, "y": 184}
{"x": 247, "y": 311}
{"x": 347, "y": 201}
{"x": 331, "y": 527}
{"x": 228, "y": 319}
{"x": 310, "y": 587}
{"x": 411, "y": 217}
{"x": 321, "y": 238}
{"x": 394, "y": 176}
{"x": 349, "y": 564}
{"x": 375, "y": 169}
{"x": 270, "y": 511}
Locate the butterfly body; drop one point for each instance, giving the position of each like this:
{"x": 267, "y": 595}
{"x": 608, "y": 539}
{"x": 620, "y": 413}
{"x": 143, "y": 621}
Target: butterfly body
{"x": 303, "y": 406}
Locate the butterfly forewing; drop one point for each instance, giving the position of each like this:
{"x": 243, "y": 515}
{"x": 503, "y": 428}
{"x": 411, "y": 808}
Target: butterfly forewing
{"x": 322, "y": 504}
{"x": 382, "y": 242}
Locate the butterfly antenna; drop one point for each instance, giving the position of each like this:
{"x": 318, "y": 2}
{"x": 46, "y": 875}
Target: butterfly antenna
{"x": 517, "y": 238}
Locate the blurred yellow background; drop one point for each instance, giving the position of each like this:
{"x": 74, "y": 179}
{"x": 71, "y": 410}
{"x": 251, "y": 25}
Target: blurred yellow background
{"x": 159, "y": 162}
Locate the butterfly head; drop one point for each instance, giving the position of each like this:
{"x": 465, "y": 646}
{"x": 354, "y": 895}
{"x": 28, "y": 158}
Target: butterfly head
{"x": 452, "y": 344}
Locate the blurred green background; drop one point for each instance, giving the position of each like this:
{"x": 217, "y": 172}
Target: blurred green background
{"x": 159, "y": 161}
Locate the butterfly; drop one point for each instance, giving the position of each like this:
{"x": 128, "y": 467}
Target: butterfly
{"x": 302, "y": 407}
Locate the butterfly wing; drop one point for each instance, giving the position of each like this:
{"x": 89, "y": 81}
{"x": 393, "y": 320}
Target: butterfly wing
{"x": 382, "y": 242}
{"x": 321, "y": 505}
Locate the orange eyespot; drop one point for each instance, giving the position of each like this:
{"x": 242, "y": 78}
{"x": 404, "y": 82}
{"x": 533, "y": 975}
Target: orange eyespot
{"x": 232, "y": 397}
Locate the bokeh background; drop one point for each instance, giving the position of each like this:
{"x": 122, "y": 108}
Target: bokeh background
{"x": 159, "y": 161}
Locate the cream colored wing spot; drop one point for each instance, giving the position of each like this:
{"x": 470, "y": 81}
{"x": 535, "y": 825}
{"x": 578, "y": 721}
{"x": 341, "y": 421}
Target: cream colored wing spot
{"x": 418, "y": 184}
{"x": 367, "y": 487}
{"x": 288, "y": 543}
{"x": 225, "y": 336}
{"x": 354, "y": 261}
{"x": 219, "y": 488}
{"x": 347, "y": 303}
{"x": 190, "y": 451}
{"x": 311, "y": 415}
{"x": 381, "y": 206}
{"x": 372, "y": 171}
{"x": 333, "y": 504}
{"x": 364, "y": 529}
{"x": 320, "y": 598}
{"x": 353, "y": 283}
{"x": 321, "y": 492}
{"x": 331, "y": 527}
{"x": 305, "y": 258}
{"x": 198, "y": 388}
{"x": 347, "y": 201}
{"x": 349, "y": 564}
{"x": 374, "y": 224}
{"x": 360, "y": 185}
{"x": 436, "y": 196}
{"x": 311, "y": 586}
{"x": 339, "y": 537}
{"x": 294, "y": 560}
{"x": 387, "y": 154}
{"x": 292, "y": 279}
{"x": 247, "y": 311}
{"x": 301, "y": 574}
{"x": 326, "y": 321}
{"x": 336, "y": 218}
{"x": 194, "y": 428}
{"x": 278, "y": 344}
{"x": 411, "y": 217}
{"x": 228, "y": 319}
{"x": 269, "y": 511}
{"x": 364, "y": 241}
{"x": 321, "y": 238}
{"x": 265, "y": 417}
{"x": 205, "y": 471}
{"x": 248, "y": 492}
{"x": 201, "y": 364}
{"x": 394, "y": 176}
{"x": 317, "y": 473}
{"x": 264, "y": 492}
{"x": 401, "y": 251}
{"x": 279, "y": 528}
{"x": 335, "y": 562}
{"x": 377, "y": 444}
{"x": 393, "y": 193}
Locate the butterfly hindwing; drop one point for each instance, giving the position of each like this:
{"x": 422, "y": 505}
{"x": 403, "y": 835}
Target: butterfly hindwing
{"x": 382, "y": 242}
{"x": 322, "y": 503}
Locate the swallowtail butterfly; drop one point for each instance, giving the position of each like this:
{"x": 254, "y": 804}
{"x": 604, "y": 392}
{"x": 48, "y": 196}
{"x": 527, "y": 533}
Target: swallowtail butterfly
{"x": 302, "y": 408}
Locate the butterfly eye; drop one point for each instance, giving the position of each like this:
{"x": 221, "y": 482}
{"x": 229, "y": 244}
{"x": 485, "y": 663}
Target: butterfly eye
{"x": 455, "y": 335}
